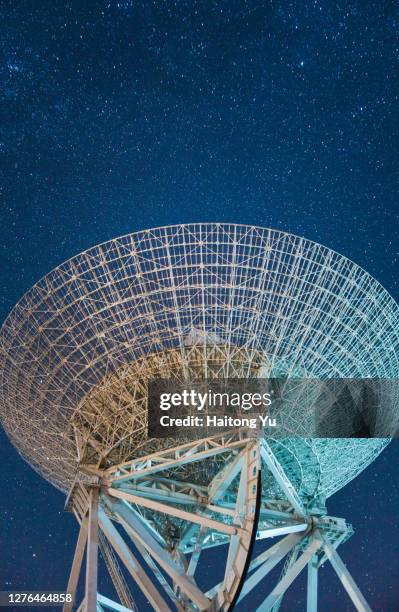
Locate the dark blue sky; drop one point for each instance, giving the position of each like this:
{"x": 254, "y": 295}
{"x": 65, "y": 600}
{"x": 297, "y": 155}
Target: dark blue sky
{"x": 116, "y": 116}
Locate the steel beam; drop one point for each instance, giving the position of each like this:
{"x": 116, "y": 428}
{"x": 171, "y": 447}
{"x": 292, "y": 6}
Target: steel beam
{"x": 92, "y": 552}
{"x": 117, "y": 577}
{"x": 158, "y": 494}
{"x": 156, "y": 571}
{"x": 177, "y": 456}
{"x": 132, "y": 564}
{"x": 134, "y": 526}
{"x": 172, "y": 511}
{"x": 311, "y": 602}
{"x": 289, "y": 577}
{"x": 289, "y": 562}
{"x": 278, "y": 531}
{"x": 107, "y": 603}
{"x": 345, "y": 577}
{"x": 224, "y": 478}
{"x": 195, "y": 555}
{"x": 245, "y": 513}
{"x": 281, "y": 478}
{"x": 267, "y": 560}
{"x": 337, "y": 543}
{"x": 77, "y": 564}
{"x": 81, "y": 606}
{"x": 282, "y": 546}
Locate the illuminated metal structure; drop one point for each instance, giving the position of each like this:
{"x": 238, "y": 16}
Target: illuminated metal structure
{"x": 201, "y": 300}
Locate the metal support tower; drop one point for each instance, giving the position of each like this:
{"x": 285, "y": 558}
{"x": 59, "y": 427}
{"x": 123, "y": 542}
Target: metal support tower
{"x": 143, "y": 507}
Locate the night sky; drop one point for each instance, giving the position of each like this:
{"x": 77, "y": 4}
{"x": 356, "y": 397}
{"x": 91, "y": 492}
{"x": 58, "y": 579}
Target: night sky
{"x": 117, "y": 116}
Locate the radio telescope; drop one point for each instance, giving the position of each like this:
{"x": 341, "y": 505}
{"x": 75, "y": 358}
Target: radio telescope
{"x": 203, "y": 300}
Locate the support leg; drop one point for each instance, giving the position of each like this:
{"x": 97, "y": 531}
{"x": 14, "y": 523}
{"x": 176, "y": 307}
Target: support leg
{"x": 289, "y": 562}
{"x": 132, "y": 564}
{"x": 265, "y": 562}
{"x": 76, "y": 564}
{"x": 132, "y": 525}
{"x": 343, "y": 574}
{"x": 92, "y": 553}
{"x": 290, "y": 576}
{"x": 311, "y": 605}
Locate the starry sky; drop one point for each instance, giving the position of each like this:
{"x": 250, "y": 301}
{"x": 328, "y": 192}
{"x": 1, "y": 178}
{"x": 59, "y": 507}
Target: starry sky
{"x": 122, "y": 115}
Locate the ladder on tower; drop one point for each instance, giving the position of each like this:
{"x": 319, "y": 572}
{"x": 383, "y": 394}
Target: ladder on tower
{"x": 116, "y": 574}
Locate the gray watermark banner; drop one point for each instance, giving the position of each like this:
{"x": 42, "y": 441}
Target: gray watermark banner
{"x": 276, "y": 407}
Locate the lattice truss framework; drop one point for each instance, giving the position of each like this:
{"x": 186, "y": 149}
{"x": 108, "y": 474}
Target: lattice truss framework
{"x": 170, "y": 523}
{"x": 205, "y": 300}
{"x": 261, "y": 294}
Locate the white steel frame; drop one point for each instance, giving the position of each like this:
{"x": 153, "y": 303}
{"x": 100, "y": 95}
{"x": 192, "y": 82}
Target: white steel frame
{"x": 228, "y": 511}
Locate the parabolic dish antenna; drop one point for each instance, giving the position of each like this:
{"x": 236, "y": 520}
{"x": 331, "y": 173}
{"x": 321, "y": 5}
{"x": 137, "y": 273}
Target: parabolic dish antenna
{"x": 214, "y": 300}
